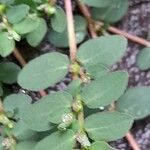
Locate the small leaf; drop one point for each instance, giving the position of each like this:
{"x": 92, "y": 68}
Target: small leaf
{"x": 44, "y": 71}
{"x": 7, "y": 44}
{"x": 74, "y": 87}
{"x": 143, "y": 59}
{"x": 100, "y": 146}
{"x": 112, "y": 13}
{"x": 61, "y": 39}
{"x": 26, "y": 145}
{"x": 105, "y": 50}
{"x": 98, "y": 3}
{"x": 36, "y": 36}
{"x": 58, "y": 20}
{"x": 21, "y": 132}
{"x": 9, "y": 72}
{"x": 26, "y": 26}
{"x": 108, "y": 126}
{"x": 136, "y": 102}
{"x": 50, "y": 109}
{"x": 105, "y": 90}
{"x": 7, "y": 2}
{"x": 15, "y": 102}
{"x": 17, "y": 13}
{"x": 57, "y": 140}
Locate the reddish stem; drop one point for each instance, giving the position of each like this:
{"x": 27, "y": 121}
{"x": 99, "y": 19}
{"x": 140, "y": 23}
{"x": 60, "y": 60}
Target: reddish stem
{"x": 71, "y": 30}
{"x": 22, "y": 62}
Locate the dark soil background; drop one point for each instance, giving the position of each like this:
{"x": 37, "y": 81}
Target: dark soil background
{"x": 137, "y": 22}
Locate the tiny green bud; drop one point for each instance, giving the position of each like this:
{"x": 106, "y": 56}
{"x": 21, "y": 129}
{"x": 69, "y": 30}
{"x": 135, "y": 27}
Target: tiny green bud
{"x": 75, "y": 68}
{"x": 15, "y": 35}
{"x": 77, "y": 106}
{"x": 5, "y": 121}
{"x": 50, "y": 10}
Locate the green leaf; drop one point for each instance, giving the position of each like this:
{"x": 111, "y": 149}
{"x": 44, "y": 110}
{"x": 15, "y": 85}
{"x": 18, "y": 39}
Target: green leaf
{"x": 26, "y": 26}
{"x": 9, "y": 72}
{"x": 26, "y": 145}
{"x": 49, "y": 109}
{"x": 143, "y": 59}
{"x": 106, "y": 50}
{"x": 96, "y": 71}
{"x": 7, "y": 2}
{"x": 105, "y": 90}
{"x": 112, "y": 13}
{"x": 61, "y": 39}
{"x": 30, "y": 3}
{"x": 74, "y": 87}
{"x": 136, "y": 102}
{"x": 14, "y": 103}
{"x": 57, "y": 140}
{"x": 7, "y": 44}
{"x": 21, "y": 132}
{"x": 98, "y": 3}
{"x": 108, "y": 126}
{"x": 36, "y": 36}
{"x": 44, "y": 71}
{"x": 58, "y": 20}
{"x": 100, "y": 145}
{"x": 16, "y": 13}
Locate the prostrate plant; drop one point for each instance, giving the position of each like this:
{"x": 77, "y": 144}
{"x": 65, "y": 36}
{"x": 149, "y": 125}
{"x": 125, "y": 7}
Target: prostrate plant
{"x": 37, "y": 124}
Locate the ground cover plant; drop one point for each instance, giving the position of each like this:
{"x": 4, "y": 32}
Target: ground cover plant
{"x": 97, "y": 107}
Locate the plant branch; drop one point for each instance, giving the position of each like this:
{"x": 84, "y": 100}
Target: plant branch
{"x": 87, "y": 15}
{"x": 71, "y": 30}
{"x": 22, "y": 62}
{"x": 112, "y": 29}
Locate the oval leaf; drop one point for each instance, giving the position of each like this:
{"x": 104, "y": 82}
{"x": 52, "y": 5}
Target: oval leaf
{"x": 136, "y": 102}
{"x": 108, "y": 126}
{"x": 143, "y": 59}
{"x": 36, "y": 36}
{"x": 26, "y": 26}
{"x": 100, "y": 146}
{"x": 58, "y": 20}
{"x": 15, "y": 102}
{"x": 17, "y": 13}
{"x": 105, "y": 50}
{"x": 66, "y": 141}
{"x": 98, "y": 3}
{"x": 44, "y": 71}
{"x": 50, "y": 109}
{"x": 9, "y": 72}
{"x": 112, "y": 13}
{"x": 7, "y": 44}
{"x": 105, "y": 90}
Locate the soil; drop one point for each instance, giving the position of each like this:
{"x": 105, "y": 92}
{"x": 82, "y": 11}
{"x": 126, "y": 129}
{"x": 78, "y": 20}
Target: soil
{"x": 137, "y": 22}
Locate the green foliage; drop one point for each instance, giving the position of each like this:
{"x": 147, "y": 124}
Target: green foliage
{"x": 57, "y": 140}
{"x": 102, "y": 50}
{"x": 108, "y": 126}
{"x": 143, "y": 59}
{"x": 35, "y": 37}
{"x": 105, "y": 90}
{"x": 98, "y": 3}
{"x": 61, "y": 39}
{"x": 26, "y": 26}
{"x": 44, "y": 71}
{"x": 17, "y": 13}
{"x": 135, "y": 102}
{"x": 7, "y": 44}
{"x": 58, "y": 20}
{"x": 9, "y": 72}
{"x": 100, "y": 146}
{"x": 26, "y": 145}
{"x": 49, "y": 109}
{"x": 111, "y": 13}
